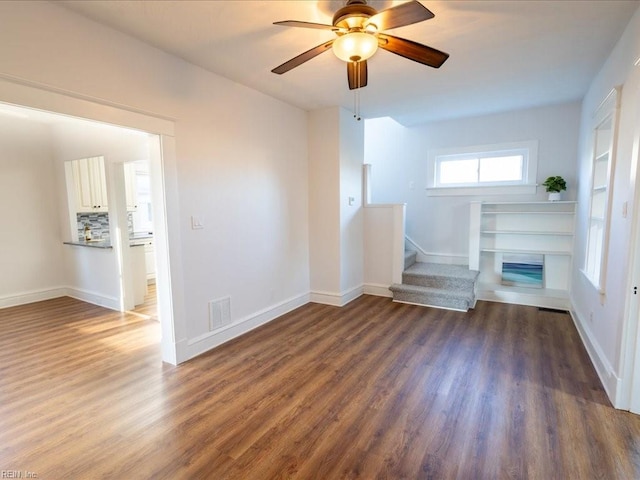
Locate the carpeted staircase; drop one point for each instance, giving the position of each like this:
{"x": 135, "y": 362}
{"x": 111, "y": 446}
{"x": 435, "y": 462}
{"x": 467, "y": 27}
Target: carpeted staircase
{"x": 436, "y": 285}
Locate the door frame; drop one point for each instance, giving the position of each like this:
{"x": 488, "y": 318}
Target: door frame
{"x": 164, "y": 185}
{"x": 628, "y": 395}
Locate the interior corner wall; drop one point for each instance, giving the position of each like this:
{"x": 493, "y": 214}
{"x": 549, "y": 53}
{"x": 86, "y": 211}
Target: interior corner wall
{"x": 324, "y": 201}
{"x": 240, "y": 163}
{"x": 30, "y": 250}
{"x": 351, "y": 213}
{"x": 439, "y": 225}
{"x": 601, "y": 319}
{"x": 336, "y": 226}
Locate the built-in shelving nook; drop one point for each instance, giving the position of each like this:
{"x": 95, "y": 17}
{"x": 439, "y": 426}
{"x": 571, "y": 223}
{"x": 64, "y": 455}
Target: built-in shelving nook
{"x": 541, "y": 229}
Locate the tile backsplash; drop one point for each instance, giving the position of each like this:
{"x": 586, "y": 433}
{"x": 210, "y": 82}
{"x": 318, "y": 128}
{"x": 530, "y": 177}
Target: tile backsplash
{"x": 99, "y": 224}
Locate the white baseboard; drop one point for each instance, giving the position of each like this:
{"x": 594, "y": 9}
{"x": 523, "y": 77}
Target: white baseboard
{"x": 337, "y": 299}
{"x": 433, "y": 257}
{"x": 377, "y": 290}
{"x": 531, "y": 299}
{"x": 198, "y": 345}
{"x": 32, "y": 296}
{"x": 608, "y": 377}
{"x": 112, "y": 303}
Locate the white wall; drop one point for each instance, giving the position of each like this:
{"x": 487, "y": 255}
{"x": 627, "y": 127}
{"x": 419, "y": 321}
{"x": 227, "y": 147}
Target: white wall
{"x": 601, "y": 320}
{"x": 241, "y": 162}
{"x": 30, "y": 247}
{"x": 336, "y": 228}
{"x": 324, "y": 201}
{"x": 351, "y": 216}
{"x": 440, "y": 225}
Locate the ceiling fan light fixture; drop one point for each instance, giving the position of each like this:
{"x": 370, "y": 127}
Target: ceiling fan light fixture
{"x": 355, "y": 46}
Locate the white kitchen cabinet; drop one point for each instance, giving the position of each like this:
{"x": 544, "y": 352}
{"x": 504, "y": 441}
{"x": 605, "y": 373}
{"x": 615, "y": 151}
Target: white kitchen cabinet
{"x": 130, "y": 186}
{"x": 90, "y": 185}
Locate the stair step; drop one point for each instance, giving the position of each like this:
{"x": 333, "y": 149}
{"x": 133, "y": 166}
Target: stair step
{"x": 435, "y": 275}
{"x": 434, "y": 297}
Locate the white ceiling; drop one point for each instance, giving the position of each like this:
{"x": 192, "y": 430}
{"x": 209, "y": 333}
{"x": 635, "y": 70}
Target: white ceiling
{"x": 504, "y": 54}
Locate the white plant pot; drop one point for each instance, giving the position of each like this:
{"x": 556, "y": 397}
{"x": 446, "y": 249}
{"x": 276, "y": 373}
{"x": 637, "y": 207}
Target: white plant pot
{"x": 555, "y": 196}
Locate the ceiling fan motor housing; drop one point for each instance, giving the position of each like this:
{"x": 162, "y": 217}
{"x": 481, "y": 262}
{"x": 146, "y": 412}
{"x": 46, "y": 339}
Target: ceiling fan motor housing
{"x": 353, "y": 15}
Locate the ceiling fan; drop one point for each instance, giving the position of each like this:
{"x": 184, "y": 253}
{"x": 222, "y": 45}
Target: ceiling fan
{"x": 358, "y": 27}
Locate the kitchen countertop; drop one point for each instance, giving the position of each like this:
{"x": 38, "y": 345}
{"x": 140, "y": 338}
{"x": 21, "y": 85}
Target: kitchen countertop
{"x": 136, "y": 240}
{"x": 91, "y": 243}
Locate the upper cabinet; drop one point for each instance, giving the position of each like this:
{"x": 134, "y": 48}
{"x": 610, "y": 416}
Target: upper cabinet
{"x": 90, "y": 184}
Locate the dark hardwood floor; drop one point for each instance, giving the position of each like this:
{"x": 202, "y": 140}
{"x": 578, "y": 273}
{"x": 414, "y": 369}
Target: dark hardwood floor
{"x": 370, "y": 390}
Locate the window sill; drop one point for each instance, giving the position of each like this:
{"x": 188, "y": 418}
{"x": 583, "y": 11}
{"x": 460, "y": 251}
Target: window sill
{"x": 475, "y": 191}
{"x": 593, "y": 284}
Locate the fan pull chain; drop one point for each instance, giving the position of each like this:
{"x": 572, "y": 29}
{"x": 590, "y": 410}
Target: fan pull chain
{"x": 356, "y": 96}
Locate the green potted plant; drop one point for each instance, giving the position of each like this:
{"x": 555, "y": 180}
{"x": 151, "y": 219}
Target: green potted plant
{"x": 554, "y": 186}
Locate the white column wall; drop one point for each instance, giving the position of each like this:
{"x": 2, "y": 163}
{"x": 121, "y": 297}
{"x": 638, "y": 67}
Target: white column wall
{"x": 351, "y": 215}
{"x": 336, "y": 228}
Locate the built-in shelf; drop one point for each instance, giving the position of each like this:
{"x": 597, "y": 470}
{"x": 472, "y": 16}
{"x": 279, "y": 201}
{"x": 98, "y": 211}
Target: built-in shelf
{"x": 523, "y": 232}
{"x": 527, "y": 228}
{"x": 532, "y": 212}
{"x": 523, "y": 251}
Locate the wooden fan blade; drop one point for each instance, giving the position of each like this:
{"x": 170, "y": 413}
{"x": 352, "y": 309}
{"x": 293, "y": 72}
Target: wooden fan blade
{"x": 412, "y": 50}
{"x": 303, "y": 57}
{"x": 404, "y": 14}
{"x": 357, "y": 74}
{"x": 296, "y": 23}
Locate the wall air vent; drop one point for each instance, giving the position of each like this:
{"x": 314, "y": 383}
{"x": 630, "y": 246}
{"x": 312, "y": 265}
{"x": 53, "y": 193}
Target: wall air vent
{"x": 219, "y": 313}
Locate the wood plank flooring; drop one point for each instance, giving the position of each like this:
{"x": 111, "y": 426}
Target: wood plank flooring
{"x": 373, "y": 390}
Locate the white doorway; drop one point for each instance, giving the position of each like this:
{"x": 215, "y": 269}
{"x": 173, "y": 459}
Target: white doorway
{"x": 162, "y": 158}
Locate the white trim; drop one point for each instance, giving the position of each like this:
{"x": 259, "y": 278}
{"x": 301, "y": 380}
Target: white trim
{"x": 610, "y": 381}
{"x": 483, "y": 190}
{"x": 534, "y": 299}
{"x": 23, "y": 92}
{"x": 205, "y": 342}
{"x": 112, "y": 303}
{"x": 377, "y": 290}
{"x": 608, "y": 110}
{"x": 26, "y": 93}
{"x": 434, "y": 257}
{"x": 336, "y": 299}
{"x": 366, "y": 184}
{"x": 24, "y": 298}
{"x": 398, "y": 242}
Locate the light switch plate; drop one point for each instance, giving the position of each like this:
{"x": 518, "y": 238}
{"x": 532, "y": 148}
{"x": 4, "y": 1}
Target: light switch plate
{"x": 197, "y": 222}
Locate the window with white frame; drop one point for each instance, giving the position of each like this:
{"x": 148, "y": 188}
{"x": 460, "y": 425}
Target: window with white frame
{"x": 491, "y": 168}
{"x": 600, "y": 194}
